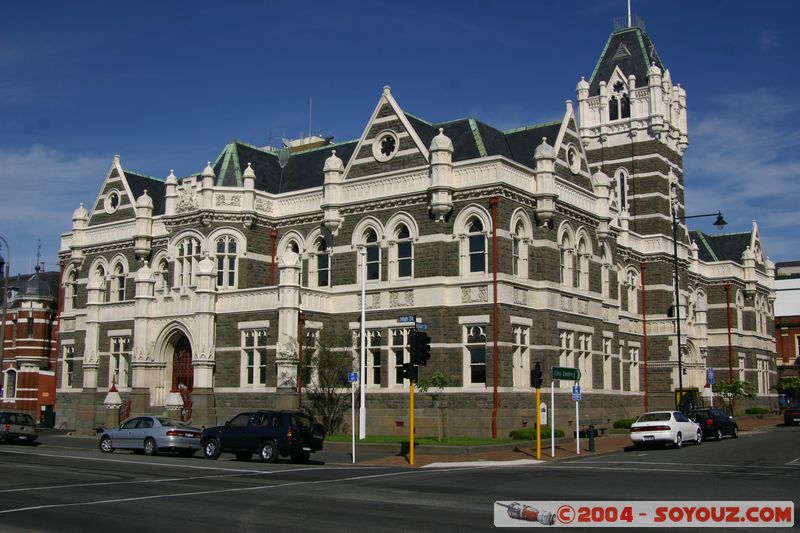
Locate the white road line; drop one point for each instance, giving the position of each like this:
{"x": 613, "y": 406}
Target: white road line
{"x": 794, "y": 462}
{"x": 758, "y": 467}
{"x": 240, "y": 489}
{"x": 630, "y": 469}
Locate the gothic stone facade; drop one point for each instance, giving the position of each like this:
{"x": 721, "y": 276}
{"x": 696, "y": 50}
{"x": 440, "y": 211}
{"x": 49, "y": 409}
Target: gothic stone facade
{"x": 549, "y": 244}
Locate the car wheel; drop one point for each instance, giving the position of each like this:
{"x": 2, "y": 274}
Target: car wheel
{"x": 699, "y": 438}
{"x": 301, "y": 458}
{"x": 187, "y": 453}
{"x": 212, "y": 449}
{"x": 267, "y": 452}
{"x": 718, "y": 435}
{"x": 735, "y": 432}
{"x": 105, "y": 445}
{"x": 150, "y": 447}
{"x": 243, "y": 456}
{"x": 679, "y": 440}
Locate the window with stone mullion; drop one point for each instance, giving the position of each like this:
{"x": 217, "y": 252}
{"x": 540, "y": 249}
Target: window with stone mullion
{"x": 476, "y": 350}
{"x": 68, "y": 367}
{"x": 405, "y": 251}
{"x": 323, "y": 263}
{"x": 400, "y": 354}
{"x": 477, "y": 246}
{"x": 119, "y": 361}
{"x": 226, "y": 262}
{"x": 373, "y": 255}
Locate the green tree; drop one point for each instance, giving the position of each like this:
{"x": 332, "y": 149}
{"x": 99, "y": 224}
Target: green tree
{"x": 437, "y": 381}
{"x": 790, "y": 386}
{"x": 326, "y": 363}
{"x": 733, "y": 390}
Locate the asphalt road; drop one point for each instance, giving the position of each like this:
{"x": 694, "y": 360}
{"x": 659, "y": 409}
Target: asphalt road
{"x": 70, "y": 486}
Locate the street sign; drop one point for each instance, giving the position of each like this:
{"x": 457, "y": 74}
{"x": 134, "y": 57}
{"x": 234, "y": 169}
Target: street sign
{"x": 576, "y": 393}
{"x": 404, "y": 319}
{"x": 422, "y": 326}
{"x": 568, "y": 374}
{"x": 352, "y": 377}
{"x": 710, "y": 376}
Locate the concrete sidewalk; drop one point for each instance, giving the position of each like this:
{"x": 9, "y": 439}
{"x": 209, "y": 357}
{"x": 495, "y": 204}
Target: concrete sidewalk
{"x": 564, "y": 449}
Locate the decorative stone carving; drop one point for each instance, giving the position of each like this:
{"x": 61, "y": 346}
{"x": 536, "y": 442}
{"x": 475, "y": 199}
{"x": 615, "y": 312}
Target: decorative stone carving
{"x": 187, "y": 201}
{"x": 263, "y": 205}
{"x": 222, "y": 200}
{"x": 374, "y": 300}
{"x": 566, "y": 303}
{"x": 583, "y": 307}
{"x": 474, "y": 294}
{"x": 520, "y": 296}
{"x": 401, "y": 298}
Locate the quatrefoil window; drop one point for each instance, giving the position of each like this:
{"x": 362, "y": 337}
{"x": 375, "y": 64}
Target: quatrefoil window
{"x": 384, "y": 147}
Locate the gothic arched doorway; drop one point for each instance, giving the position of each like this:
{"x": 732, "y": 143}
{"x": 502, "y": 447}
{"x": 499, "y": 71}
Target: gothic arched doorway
{"x": 183, "y": 375}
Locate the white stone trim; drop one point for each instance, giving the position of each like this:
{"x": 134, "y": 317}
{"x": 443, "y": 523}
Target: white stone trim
{"x": 476, "y": 320}
{"x": 521, "y": 321}
{"x": 253, "y": 324}
{"x": 120, "y": 333}
{"x": 574, "y": 327}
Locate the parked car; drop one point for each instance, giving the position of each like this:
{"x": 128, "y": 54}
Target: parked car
{"x": 267, "y": 433}
{"x": 17, "y": 427}
{"x": 151, "y": 435}
{"x": 715, "y": 423}
{"x": 665, "y": 427}
{"x": 791, "y": 415}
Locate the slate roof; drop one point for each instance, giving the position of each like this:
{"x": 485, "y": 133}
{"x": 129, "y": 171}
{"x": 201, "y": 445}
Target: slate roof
{"x": 641, "y": 54}
{"x": 721, "y": 247}
{"x": 155, "y": 189}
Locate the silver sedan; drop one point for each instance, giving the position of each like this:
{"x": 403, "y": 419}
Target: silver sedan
{"x": 151, "y": 435}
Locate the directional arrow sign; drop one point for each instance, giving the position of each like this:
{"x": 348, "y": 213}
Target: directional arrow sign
{"x": 567, "y": 374}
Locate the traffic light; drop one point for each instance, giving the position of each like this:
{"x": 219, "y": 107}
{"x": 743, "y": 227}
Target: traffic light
{"x": 536, "y": 375}
{"x": 410, "y": 372}
{"x": 420, "y": 347}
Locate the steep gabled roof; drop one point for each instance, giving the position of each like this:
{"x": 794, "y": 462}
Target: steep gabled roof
{"x": 630, "y": 49}
{"x": 722, "y": 247}
{"x": 155, "y": 189}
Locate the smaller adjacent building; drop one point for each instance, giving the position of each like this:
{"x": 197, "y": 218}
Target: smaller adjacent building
{"x": 30, "y": 345}
{"x": 787, "y": 318}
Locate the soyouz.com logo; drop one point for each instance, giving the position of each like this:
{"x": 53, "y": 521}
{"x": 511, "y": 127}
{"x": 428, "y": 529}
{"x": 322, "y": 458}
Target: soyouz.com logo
{"x": 746, "y": 514}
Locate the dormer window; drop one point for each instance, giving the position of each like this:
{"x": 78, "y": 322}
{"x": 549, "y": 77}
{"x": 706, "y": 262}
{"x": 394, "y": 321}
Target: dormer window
{"x": 619, "y": 105}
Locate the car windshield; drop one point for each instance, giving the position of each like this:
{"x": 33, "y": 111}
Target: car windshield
{"x": 169, "y": 422}
{"x": 655, "y": 417}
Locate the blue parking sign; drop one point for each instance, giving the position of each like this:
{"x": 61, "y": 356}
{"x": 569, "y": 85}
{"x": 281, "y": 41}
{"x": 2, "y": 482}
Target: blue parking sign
{"x": 576, "y": 393}
{"x": 352, "y": 377}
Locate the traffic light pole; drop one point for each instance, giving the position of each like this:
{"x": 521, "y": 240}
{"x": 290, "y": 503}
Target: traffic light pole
{"x": 538, "y": 424}
{"x": 411, "y": 427}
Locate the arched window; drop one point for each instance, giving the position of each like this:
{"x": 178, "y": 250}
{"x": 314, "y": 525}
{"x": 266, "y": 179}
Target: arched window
{"x": 605, "y": 272}
{"x": 619, "y": 105}
{"x": 226, "y": 248}
{"x": 632, "y": 282}
{"x": 621, "y": 189}
{"x": 71, "y": 291}
{"x": 475, "y": 361}
{"x": 477, "y": 245}
{"x": 322, "y": 259}
{"x": 373, "y": 248}
{"x": 118, "y": 288}
{"x": 10, "y": 389}
{"x": 583, "y": 265}
{"x": 188, "y": 255}
{"x": 518, "y": 251}
{"x": 567, "y": 255}
{"x": 405, "y": 252}
{"x": 99, "y": 274}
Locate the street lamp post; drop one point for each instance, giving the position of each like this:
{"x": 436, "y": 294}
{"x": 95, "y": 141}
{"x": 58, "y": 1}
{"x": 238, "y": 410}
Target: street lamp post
{"x": 719, "y": 223}
{"x": 7, "y": 262}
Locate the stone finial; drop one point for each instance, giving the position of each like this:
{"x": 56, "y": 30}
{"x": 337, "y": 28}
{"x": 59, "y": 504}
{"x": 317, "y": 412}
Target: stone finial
{"x": 387, "y": 90}
{"x": 582, "y": 85}
{"x": 249, "y": 173}
{"x": 80, "y": 214}
{"x": 544, "y": 151}
{"x": 600, "y": 179}
{"x": 172, "y": 179}
{"x": 208, "y": 172}
{"x": 441, "y": 142}
{"x": 654, "y": 70}
{"x": 333, "y": 163}
{"x": 144, "y": 201}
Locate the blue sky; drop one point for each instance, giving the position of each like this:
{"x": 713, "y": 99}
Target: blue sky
{"x": 167, "y": 84}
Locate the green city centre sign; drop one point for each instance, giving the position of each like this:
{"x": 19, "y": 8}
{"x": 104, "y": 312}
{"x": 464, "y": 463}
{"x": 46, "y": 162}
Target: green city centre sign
{"x": 566, "y": 374}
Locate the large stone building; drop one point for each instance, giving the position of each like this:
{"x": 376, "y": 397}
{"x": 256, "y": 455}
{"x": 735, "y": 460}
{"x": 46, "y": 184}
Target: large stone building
{"x": 551, "y": 244}
{"x": 787, "y": 318}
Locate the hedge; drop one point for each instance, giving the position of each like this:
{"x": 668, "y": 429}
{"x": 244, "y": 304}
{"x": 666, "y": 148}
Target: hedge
{"x": 530, "y": 433}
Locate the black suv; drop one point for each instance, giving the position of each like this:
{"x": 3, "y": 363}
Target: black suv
{"x": 715, "y": 423}
{"x": 267, "y": 433}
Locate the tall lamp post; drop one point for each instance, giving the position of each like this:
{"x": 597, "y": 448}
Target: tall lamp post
{"x": 7, "y": 262}
{"x": 719, "y": 223}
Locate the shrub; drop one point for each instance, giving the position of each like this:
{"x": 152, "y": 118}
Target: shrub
{"x": 624, "y": 423}
{"x": 530, "y": 433}
{"x": 756, "y": 411}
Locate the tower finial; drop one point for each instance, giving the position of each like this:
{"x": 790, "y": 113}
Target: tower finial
{"x": 630, "y": 25}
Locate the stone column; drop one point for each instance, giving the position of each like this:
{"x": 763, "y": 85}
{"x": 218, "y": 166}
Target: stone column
{"x": 288, "y": 309}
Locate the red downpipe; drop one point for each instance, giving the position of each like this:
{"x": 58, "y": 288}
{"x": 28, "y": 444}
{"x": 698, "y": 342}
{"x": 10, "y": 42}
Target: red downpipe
{"x": 496, "y": 352}
{"x": 301, "y": 320}
{"x": 274, "y": 235}
{"x": 730, "y": 346}
{"x": 644, "y": 332}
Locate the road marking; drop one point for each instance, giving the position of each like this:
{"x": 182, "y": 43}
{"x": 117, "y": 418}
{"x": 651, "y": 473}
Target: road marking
{"x": 484, "y": 464}
{"x": 794, "y": 462}
{"x": 758, "y": 467}
{"x": 141, "y": 481}
{"x": 239, "y": 489}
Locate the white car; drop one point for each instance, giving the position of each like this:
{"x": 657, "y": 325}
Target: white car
{"x": 665, "y": 427}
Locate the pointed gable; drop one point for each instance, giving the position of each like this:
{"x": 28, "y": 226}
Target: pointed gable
{"x": 115, "y": 200}
{"x": 631, "y": 50}
{"x": 389, "y": 142}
